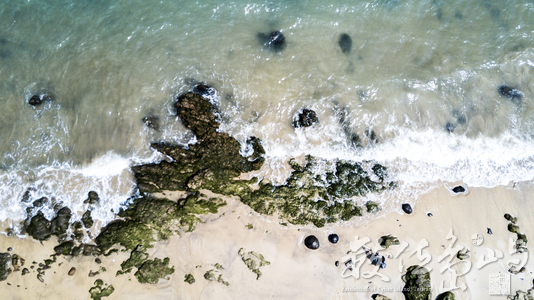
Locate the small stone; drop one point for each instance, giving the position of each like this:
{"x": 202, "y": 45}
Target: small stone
{"x": 489, "y": 231}
{"x": 407, "y": 208}
{"x": 40, "y": 277}
{"x": 25, "y": 271}
{"x": 151, "y": 122}
{"x": 93, "y": 274}
{"x": 189, "y": 279}
{"x": 72, "y": 271}
{"x": 275, "y": 41}
{"x": 337, "y": 263}
{"x": 35, "y": 100}
{"x": 9, "y": 249}
{"x": 98, "y": 261}
{"x": 510, "y": 218}
{"x": 458, "y": 189}
{"x": 333, "y": 238}
{"x": 311, "y": 242}
{"x": 429, "y": 214}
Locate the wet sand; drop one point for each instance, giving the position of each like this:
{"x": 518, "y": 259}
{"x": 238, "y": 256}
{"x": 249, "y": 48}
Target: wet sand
{"x": 296, "y": 272}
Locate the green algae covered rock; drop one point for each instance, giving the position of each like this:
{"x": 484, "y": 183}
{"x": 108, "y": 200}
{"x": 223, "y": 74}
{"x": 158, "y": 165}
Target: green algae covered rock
{"x": 64, "y": 248}
{"x": 152, "y": 270}
{"x": 417, "y": 284}
{"x": 189, "y": 279}
{"x": 5, "y": 261}
{"x": 388, "y": 240}
{"x": 372, "y": 207}
{"x": 254, "y": 261}
{"x": 100, "y": 290}
{"x": 445, "y": 296}
{"x": 214, "y": 162}
{"x": 137, "y": 258}
{"x": 126, "y": 233}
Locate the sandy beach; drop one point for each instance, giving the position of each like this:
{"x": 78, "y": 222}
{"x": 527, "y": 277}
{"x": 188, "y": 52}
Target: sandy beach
{"x": 296, "y": 272}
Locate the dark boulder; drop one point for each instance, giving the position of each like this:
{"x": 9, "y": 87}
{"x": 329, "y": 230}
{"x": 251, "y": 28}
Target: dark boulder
{"x": 35, "y": 100}
{"x": 60, "y": 223}
{"x": 458, "y": 189}
{"x": 39, "y": 227}
{"x": 513, "y": 94}
{"x": 489, "y": 231}
{"x": 305, "y": 118}
{"x": 274, "y": 41}
{"x": 311, "y": 242}
{"x": 407, "y": 208}
{"x": 92, "y": 198}
{"x": 417, "y": 284}
{"x": 333, "y": 238}
{"x": 345, "y": 43}
{"x": 151, "y": 122}
{"x": 87, "y": 219}
{"x": 5, "y": 261}
{"x": 39, "y": 202}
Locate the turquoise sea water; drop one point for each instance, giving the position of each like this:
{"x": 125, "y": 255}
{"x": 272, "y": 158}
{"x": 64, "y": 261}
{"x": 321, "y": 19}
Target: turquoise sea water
{"x": 413, "y": 68}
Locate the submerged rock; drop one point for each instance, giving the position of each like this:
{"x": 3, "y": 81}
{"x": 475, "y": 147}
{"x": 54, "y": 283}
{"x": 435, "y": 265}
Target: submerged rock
{"x": 445, "y": 296}
{"x": 274, "y": 41}
{"x": 151, "y": 122}
{"x": 513, "y": 94}
{"x": 417, "y": 283}
{"x": 450, "y": 127}
{"x": 458, "y": 189}
{"x": 333, "y": 238}
{"x": 305, "y": 118}
{"x": 311, "y": 242}
{"x": 35, "y": 100}
{"x": 92, "y": 198}
{"x": 345, "y": 43}
{"x": 407, "y": 208}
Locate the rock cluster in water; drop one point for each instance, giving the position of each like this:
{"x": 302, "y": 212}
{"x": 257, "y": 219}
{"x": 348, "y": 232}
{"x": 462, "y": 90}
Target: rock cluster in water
{"x": 305, "y": 118}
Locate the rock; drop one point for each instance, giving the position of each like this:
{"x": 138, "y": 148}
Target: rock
{"x": 333, "y": 238}
{"x": 189, "y": 279}
{"x": 513, "y": 94}
{"x": 5, "y": 262}
{"x": 274, "y": 41}
{"x": 513, "y": 228}
{"x": 379, "y": 297}
{"x": 93, "y": 274}
{"x": 458, "y": 189}
{"x": 311, "y": 242}
{"x": 429, "y": 214}
{"x": 417, "y": 283}
{"x": 254, "y": 261}
{"x": 9, "y": 249}
{"x": 72, "y": 271}
{"x": 463, "y": 254}
{"x": 25, "y": 271}
{"x": 92, "y": 198}
{"x": 445, "y": 296}
{"x": 450, "y": 127}
{"x": 510, "y": 218}
{"x": 40, "y": 202}
{"x": 64, "y": 248}
{"x": 345, "y": 43}
{"x": 515, "y": 271}
{"x": 87, "y": 219}
{"x": 336, "y": 263}
{"x": 489, "y": 231}
{"x": 99, "y": 290}
{"x": 60, "y": 223}
{"x": 35, "y": 100}
{"x": 305, "y": 118}
{"x": 39, "y": 227}
{"x": 151, "y": 122}
{"x": 98, "y": 260}
{"x": 90, "y": 250}
{"x": 388, "y": 240}
{"x": 372, "y": 207}
{"x": 371, "y": 135}
{"x": 407, "y": 208}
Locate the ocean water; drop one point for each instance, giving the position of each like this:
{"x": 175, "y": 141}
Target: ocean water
{"x": 414, "y": 67}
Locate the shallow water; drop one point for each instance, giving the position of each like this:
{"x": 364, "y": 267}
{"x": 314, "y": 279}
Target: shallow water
{"x": 414, "y": 66}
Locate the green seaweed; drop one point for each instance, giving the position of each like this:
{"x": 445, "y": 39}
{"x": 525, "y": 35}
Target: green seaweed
{"x": 137, "y": 258}
{"x": 5, "y": 261}
{"x": 152, "y": 270}
{"x": 253, "y": 261}
{"x": 189, "y": 279}
{"x": 388, "y": 240}
{"x": 99, "y": 290}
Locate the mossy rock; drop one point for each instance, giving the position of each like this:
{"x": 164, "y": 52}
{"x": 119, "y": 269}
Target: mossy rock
{"x": 463, "y": 255}
{"x": 5, "y": 262}
{"x": 445, "y": 296}
{"x": 64, "y": 248}
{"x": 137, "y": 258}
{"x": 126, "y": 233}
{"x": 99, "y": 290}
{"x": 513, "y": 228}
{"x": 189, "y": 279}
{"x": 510, "y": 218}
{"x": 417, "y": 284}
{"x": 152, "y": 270}
{"x": 372, "y": 207}
{"x": 388, "y": 240}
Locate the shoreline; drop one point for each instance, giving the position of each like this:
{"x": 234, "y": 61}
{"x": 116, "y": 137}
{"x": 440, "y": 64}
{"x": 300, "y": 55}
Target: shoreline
{"x": 294, "y": 270}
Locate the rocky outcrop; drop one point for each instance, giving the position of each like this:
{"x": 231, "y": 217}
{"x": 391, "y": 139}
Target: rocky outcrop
{"x": 152, "y": 270}
{"x": 417, "y": 284}
{"x": 5, "y": 262}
